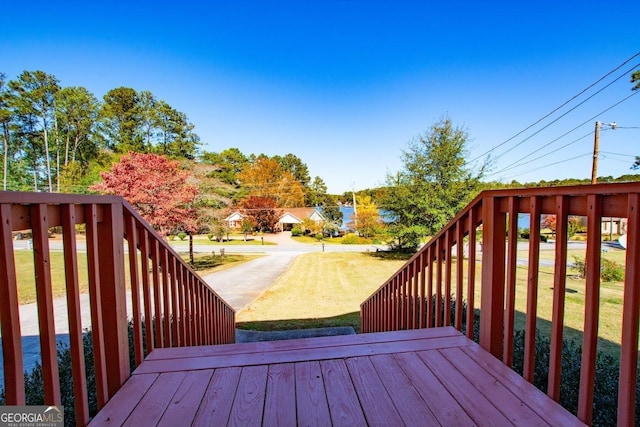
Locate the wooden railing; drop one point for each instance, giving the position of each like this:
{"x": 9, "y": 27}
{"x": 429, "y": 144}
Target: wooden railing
{"x": 419, "y": 295}
{"x": 127, "y": 265}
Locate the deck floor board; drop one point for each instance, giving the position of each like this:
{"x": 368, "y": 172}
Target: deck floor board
{"x": 420, "y": 377}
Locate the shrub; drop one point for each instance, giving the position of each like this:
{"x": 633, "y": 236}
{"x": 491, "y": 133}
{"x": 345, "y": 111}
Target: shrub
{"x": 610, "y": 271}
{"x": 182, "y": 235}
{"x": 352, "y": 239}
{"x": 296, "y": 231}
{"x": 319, "y": 236}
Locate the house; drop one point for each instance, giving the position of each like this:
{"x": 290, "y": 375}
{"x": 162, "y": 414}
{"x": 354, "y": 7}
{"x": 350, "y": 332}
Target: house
{"x": 294, "y": 216}
{"x": 234, "y": 221}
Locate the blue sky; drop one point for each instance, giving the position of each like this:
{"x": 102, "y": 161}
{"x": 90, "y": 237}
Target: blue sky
{"x": 345, "y": 85}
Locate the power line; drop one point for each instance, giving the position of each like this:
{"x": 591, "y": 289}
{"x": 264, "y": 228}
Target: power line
{"x": 559, "y": 107}
{"x": 549, "y": 165}
{"x": 513, "y": 166}
{"x": 567, "y": 133}
{"x": 566, "y": 113}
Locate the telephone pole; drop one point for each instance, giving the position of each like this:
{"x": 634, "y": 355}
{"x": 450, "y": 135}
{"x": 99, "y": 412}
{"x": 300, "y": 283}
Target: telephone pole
{"x": 596, "y": 149}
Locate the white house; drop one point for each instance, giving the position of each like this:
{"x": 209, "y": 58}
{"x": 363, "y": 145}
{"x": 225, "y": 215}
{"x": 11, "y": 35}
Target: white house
{"x": 294, "y": 216}
{"x": 234, "y": 220}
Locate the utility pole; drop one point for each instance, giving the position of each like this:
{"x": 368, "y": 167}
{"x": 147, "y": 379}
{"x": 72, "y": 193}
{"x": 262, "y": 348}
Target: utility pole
{"x": 596, "y": 150}
{"x": 355, "y": 211}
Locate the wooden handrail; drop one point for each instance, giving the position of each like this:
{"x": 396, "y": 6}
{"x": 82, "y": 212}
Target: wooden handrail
{"x": 171, "y": 305}
{"x": 419, "y": 294}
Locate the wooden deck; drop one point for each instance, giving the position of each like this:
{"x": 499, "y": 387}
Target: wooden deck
{"x": 419, "y": 377}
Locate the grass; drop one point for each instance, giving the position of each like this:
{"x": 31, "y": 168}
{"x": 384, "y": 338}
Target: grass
{"x": 204, "y": 264}
{"x": 318, "y": 290}
{"x": 326, "y": 289}
{"x": 234, "y": 240}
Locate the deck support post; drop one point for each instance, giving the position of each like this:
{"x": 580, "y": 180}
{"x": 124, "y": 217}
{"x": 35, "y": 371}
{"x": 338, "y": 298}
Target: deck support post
{"x": 113, "y": 295}
{"x": 493, "y": 276}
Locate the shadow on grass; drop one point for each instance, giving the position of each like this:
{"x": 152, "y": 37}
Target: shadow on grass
{"x": 348, "y": 319}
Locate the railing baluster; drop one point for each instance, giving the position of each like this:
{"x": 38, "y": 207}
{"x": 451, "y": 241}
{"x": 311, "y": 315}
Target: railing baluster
{"x": 438, "y": 289}
{"x": 422, "y": 297}
{"x": 559, "y": 288}
{"x": 157, "y": 301}
{"x": 471, "y": 275}
{"x": 10, "y": 315}
{"x": 81, "y": 400}
{"x": 146, "y": 289}
{"x": 175, "y": 309}
{"x": 132, "y": 240}
{"x": 630, "y": 315}
{"x": 532, "y": 289}
{"x": 429, "y": 302}
{"x": 591, "y": 309}
{"x": 42, "y": 264}
{"x": 493, "y": 277}
{"x": 166, "y": 298}
{"x": 113, "y": 295}
{"x": 510, "y": 297}
{"x": 447, "y": 281}
{"x": 459, "y": 273}
{"x": 95, "y": 298}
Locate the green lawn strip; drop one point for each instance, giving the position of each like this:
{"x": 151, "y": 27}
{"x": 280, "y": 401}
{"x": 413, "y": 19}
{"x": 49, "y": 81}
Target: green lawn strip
{"x": 204, "y": 264}
{"x": 319, "y": 289}
{"x": 233, "y": 241}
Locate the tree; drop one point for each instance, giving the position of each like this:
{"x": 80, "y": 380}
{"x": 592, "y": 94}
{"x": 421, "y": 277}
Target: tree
{"x": 34, "y": 103}
{"x": 295, "y": 166}
{"x": 573, "y": 224}
{"x": 76, "y": 117}
{"x": 228, "y": 164}
{"x": 5, "y": 121}
{"x": 263, "y": 212}
{"x": 367, "y": 216}
{"x": 265, "y": 178}
{"x": 122, "y": 121}
{"x": 176, "y": 136}
{"x": 433, "y": 186}
{"x": 156, "y": 187}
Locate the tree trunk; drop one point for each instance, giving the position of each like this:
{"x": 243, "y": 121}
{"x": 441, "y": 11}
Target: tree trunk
{"x": 6, "y": 156}
{"x": 46, "y": 154}
{"x": 191, "y": 260}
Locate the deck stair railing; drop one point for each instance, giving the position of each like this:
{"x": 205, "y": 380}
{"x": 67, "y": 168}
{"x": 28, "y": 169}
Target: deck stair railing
{"x": 419, "y": 295}
{"x": 127, "y": 264}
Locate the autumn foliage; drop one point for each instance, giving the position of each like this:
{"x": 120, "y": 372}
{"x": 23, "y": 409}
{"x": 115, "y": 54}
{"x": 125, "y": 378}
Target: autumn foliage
{"x": 156, "y": 187}
{"x": 263, "y": 212}
{"x": 266, "y": 178}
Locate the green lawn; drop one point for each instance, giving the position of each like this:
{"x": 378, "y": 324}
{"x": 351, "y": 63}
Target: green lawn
{"x": 319, "y": 289}
{"x": 234, "y": 240}
{"x": 326, "y": 289}
{"x": 204, "y": 264}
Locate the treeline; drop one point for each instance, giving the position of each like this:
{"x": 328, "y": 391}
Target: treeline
{"x": 57, "y": 139}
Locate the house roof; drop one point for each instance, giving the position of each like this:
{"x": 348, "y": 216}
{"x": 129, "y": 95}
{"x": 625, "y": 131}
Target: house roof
{"x": 297, "y": 215}
{"x": 236, "y": 216}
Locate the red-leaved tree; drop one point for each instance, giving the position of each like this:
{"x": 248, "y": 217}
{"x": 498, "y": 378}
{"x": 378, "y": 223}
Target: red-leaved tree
{"x": 262, "y": 211}
{"x": 156, "y": 187}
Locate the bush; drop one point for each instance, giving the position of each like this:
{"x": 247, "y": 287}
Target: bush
{"x": 352, "y": 239}
{"x": 610, "y": 271}
{"x": 319, "y": 236}
{"x": 182, "y": 235}
{"x": 296, "y": 231}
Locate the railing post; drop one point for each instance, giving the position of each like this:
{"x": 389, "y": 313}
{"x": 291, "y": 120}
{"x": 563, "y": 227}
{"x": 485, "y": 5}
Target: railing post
{"x": 493, "y": 276}
{"x": 113, "y": 295}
